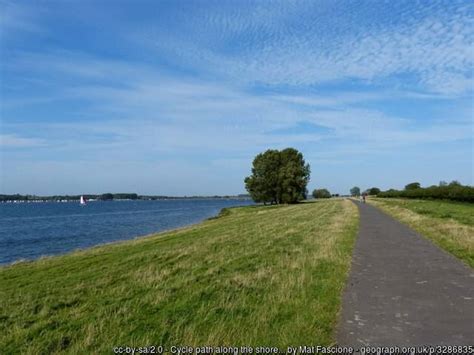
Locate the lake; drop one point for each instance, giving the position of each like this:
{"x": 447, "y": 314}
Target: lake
{"x": 31, "y": 230}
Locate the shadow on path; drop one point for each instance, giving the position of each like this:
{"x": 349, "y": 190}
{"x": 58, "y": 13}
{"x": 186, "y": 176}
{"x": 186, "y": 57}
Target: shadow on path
{"x": 403, "y": 290}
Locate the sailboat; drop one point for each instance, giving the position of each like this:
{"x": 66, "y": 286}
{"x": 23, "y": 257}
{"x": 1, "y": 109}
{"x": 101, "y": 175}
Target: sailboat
{"x": 82, "y": 201}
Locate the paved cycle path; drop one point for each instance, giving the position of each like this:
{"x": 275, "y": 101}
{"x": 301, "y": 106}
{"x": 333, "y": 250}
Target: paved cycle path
{"x": 403, "y": 290}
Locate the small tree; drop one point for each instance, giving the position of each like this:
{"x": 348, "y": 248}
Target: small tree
{"x": 355, "y": 191}
{"x": 373, "y": 191}
{"x": 412, "y": 186}
{"x": 321, "y": 193}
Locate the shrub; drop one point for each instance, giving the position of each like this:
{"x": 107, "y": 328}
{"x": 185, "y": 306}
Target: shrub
{"x": 454, "y": 191}
{"x": 321, "y": 193}
{"x": 373, "y": 191}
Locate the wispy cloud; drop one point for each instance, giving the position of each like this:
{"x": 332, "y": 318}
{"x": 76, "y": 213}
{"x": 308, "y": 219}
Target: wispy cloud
{"x": 159, "y": 107}
{"x": 15, "y": 141}
{"x": 16, "y": 17}
{"x": 436, "y": 51}
{"x": 212, "y": 90}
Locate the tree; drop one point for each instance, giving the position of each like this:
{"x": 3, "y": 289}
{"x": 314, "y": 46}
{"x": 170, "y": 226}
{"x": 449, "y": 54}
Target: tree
{"x": 373, "y": 191}
{"x": 412, "y": 186}
{"x": 454, "y": 191}
{"x": 321, "y": 193}
{"x": 293, "y": 176}
{"x": 107, "y": 197}
{"x": 454, "y": 183}
{"x": 443, "y": 183}
{"x": 263, "y": 183}
{"x": 278, "y": 177}
{"x": 355, "y": 191}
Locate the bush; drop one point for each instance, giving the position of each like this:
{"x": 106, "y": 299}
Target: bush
{"x": 454, "y": 191}
{"x": 373, "y": 191}
{"x": 413, "y": 186}
{"x": 321, "y": 193}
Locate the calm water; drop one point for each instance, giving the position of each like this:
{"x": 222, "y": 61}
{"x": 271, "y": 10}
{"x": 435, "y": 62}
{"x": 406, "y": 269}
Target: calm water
{"x": 30, "y": 230}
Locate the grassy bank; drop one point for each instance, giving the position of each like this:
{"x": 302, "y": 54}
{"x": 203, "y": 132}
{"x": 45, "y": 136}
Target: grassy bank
{"x": 450, "y": 225}
{"x": 255, "y": 276}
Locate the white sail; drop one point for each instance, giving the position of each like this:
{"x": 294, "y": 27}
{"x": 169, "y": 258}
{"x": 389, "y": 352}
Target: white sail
{"x": 83, "y": 202}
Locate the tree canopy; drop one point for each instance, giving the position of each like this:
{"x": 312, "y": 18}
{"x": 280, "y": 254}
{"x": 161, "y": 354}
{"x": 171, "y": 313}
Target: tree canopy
{"x": 355, "y": 191}
{"x": 107, "y": 196}
{"x": 278, "y": 177}
{"x": 453, "y": 191}
{"x": 412, "y": 186}
{"x": 373, "y": 191}
{"x": 321, "y": 193}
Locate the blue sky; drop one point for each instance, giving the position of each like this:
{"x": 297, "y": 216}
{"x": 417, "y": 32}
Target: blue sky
{"x": 177, "y": 97}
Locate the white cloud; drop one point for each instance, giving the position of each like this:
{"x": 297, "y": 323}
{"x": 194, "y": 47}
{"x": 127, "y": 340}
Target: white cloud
{"x": 15, "y": 141}
{"x": 435, "y": 51}
{"x": 16, "y": 17}
{"x": 249, "y": 72}
{"x": 162, "y": 113}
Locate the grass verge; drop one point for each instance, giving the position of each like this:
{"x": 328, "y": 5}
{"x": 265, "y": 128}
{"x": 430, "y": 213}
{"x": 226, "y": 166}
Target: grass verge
{"x": 254, "y": 276}
{"x": 450, "y": 225}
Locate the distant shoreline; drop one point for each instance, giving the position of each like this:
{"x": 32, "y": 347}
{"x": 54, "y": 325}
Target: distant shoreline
{"x": 16, "y": 198}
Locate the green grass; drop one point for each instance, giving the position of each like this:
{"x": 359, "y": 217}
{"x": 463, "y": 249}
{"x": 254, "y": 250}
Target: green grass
{"x": 450, "y": 225}
{"x": 254, "y": 276}
{"x": 461, "y": 212}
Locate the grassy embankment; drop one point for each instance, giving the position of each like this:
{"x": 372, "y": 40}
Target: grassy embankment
{"x": 254, "y": 276}
{"x": 450, "y": 225}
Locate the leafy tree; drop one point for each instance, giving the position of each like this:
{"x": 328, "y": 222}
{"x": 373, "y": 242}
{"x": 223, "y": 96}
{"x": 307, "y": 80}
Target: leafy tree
{"x": 321, "y": 193}
{"x": 453, "y": 192}
{"x": 412, "y": 186}
{"x": 373, "y": 191}
{"x": 443, "y": 183}
{"x": 355, "y": 191}
{"x": 263, "y": 183}
{"x": 278, "y": 177}
{"x": 293, "y": 176}
{"x": 454, "y": 183}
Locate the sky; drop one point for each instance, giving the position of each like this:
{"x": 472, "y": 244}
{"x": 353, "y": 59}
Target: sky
{"x": 177, "y": 97}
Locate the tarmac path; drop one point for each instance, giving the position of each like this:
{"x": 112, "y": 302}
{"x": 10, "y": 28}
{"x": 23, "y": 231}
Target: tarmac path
{"x": 403, "y": 290}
